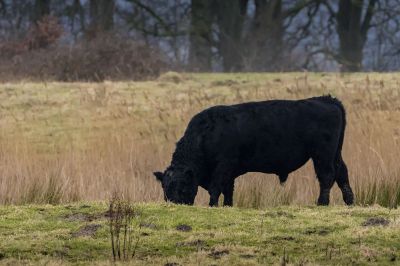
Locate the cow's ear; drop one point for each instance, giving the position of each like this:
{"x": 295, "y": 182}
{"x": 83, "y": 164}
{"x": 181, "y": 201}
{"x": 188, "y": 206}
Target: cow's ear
{"x": 159, "y": 176}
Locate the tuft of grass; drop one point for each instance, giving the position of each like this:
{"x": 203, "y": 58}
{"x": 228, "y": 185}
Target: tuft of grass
{"x": 381, "y": 193}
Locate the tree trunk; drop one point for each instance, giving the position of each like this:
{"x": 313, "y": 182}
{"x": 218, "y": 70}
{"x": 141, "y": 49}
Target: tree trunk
{"x": 41, "y": 8}
{"x": 265, "y": 40}
{"x": 230, "y": 19}
{"x": 200, "y": 53}
{"x": 101, "y": 16}
{"x": 3, "y": 8}
{"x": 352, "y": 30}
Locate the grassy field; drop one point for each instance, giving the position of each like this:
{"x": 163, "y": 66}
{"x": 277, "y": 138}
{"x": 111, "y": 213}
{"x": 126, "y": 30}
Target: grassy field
{"x": 65, "y": 142}
{"x": 79, "y": 234}
{"x": 66, "y": 146}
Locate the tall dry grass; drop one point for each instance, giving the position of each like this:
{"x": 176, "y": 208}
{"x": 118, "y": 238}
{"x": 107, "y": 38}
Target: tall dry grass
{"x": 62, "y": 142}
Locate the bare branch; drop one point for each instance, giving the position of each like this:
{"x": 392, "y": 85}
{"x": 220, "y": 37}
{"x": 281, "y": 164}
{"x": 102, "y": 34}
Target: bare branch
{"x": 329, "y": 7}
{"x": 293, "y": 11}
{"x": 367, "y": 19}
{"x": 153, "y": 14}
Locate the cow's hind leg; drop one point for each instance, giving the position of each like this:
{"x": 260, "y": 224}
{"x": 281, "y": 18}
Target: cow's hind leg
{"x": 326, "y": 178}
{"x": 342, "y": 179}
{"x": 325, "y": 170}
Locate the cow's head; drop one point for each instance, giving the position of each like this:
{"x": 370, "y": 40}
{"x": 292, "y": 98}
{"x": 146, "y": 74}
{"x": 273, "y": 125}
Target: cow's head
{"x": 179, "y": 185}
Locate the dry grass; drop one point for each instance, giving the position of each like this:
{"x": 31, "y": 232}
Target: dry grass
{"x": 62, "y": 142}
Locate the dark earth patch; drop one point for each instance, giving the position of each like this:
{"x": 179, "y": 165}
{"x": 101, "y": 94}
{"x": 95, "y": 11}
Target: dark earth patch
{"x": 287, "y": 238}
{"x": 195, "y": 243}
{"x": 77, "y": 217}
{"x": 87, "y": 230}
{"x": 62, "y": 253}
{"x": 247, "y": 256}
{"x": 171, "y": 264}
{"x": 184, "y": 228}
{"x": 217, "y": 254}
{"x": 375, "y": 221}
{"x": 318, "y": 231}
{"x": 280, "y": 214}
{"x": 85, "y": 217}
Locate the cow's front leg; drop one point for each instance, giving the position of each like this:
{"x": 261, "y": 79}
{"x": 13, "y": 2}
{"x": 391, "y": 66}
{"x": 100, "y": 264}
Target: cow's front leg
{"x": 214, "y": 197}
{"x": 218, "y": 183}
{"x": 228, "y": 192}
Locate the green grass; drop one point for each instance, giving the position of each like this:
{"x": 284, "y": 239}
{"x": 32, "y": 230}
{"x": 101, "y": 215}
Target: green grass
{"x": 45, "y": 234}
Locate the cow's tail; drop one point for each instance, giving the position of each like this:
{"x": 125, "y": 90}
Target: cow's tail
{"x": 342, "y": 130}
{"x": 338, "y": 104}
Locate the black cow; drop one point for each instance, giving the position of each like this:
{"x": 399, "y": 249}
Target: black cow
{"x": 278, "y": 136}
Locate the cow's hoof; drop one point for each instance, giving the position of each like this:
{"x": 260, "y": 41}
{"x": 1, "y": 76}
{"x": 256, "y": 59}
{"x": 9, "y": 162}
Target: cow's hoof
{"x": 348, "y": 199}
{"x": 323, "y": 202}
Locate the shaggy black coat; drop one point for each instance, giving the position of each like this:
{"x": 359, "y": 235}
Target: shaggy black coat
{"x": 274, "y": 137}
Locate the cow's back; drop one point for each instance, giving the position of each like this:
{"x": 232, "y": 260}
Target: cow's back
{"x": 272, "y": 136}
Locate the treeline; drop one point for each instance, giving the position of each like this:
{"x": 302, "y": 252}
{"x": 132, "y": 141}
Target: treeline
{"x": 218, "y": 35}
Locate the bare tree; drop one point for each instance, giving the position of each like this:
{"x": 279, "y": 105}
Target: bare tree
{"x": 352, "y": 28}
{"x": 41, "y": 8}
{"x": 75, "y": 11}
{"x": 200, "y": 51}
{"x": 101, "y": 16}
{"x": 259, "y": 38}
{"x": 352, "y": 21}
{"x": 265, "y": 37}
{"x": 230, "y": 17}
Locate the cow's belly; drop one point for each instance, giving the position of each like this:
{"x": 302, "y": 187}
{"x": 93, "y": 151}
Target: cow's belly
{"x": 277, "y": 167}
{"x": 274, "y": 159}
{"x": 255, "y": 150}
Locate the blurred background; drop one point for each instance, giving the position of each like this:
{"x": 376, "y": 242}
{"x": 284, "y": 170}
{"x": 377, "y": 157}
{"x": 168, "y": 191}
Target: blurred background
{"x": 138, "y": 39}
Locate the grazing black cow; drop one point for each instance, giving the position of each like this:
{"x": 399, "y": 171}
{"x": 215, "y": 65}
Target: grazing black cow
{"x": 278, "y": 136}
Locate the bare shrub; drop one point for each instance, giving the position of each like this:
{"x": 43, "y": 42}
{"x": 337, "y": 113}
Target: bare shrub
{"x": 107, "y": 57}
{"x": 124, "y": 242}
{"x": 110, "y": 57}
{"x": 45, "y": 33}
